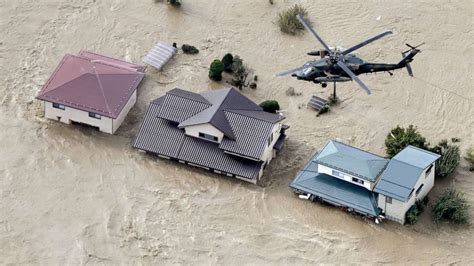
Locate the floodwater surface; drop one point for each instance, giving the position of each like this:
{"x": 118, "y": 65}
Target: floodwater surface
{"x": 70, "y": 194}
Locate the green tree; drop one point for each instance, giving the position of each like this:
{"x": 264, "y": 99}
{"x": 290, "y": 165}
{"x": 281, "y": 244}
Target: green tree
{"x": 399, "y": 138}
{"x": 451, "y": 206}
{"x": 215, "y": 70}
{"x": 227, "y": 60}
{"x": 270, "y": 106}
{"x": 450, "y": 157}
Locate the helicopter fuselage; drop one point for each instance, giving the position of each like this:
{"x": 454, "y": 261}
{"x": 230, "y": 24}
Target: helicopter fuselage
{"x": 330, "y": 72}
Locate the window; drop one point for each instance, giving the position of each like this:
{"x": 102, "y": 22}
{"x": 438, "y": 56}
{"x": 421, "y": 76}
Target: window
{"x": 337, "y": 173}
{"x": 94, "y": 115}
{"x": 208, "y": 137}
{"x": 270, "y": 139}
{"x": 357, "y": 180}
{"x": 419, "y": 189}
{"x": 388, "y": 199}
{"x": 59, "y": 106}
{"x": 428, "y": 171}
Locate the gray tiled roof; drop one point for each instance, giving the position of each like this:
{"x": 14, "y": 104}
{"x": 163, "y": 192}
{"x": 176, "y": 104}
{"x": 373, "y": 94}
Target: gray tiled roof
{"x": 403, "y": 171}
{"x": 177, "y": 108}
{"x": 225, "y": 100}
{"x": 251, "y": 135}
{"x": 335, "y": 191}
{"x": 160, "y": 136}
{"x": 208, "y": 154}
{"x": 351, "y": 160}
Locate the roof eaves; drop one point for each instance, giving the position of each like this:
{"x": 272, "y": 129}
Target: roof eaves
{"x": 63, "y": 60}
{"x": 236, "y": 111}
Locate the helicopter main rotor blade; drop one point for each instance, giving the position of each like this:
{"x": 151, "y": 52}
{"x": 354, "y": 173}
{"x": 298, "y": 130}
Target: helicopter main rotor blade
{"x": 291, "y": 71}
{"x": 364, "y": 43}
{"x": 310, "y": 29}
{"x": 309, "y": 64}
{"x": 353, "y": 76}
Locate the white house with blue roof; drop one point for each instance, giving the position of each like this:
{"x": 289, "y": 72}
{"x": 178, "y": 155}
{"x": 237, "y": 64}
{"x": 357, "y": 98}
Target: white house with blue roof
{"x": 408, "y": 177}
{"x": 366, "y": 183}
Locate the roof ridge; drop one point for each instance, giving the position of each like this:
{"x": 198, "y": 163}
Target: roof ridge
{"x": 100, "y": 86}
{"x": 405, "y": 163}
{"x": 388, "y": 181}
{"x": 194, "y": 100}
{"x": 422, "y": 150}
{"x": 233, "y": 111}
{"x": 347, "y": 145}
{"x": 111, "y": 58}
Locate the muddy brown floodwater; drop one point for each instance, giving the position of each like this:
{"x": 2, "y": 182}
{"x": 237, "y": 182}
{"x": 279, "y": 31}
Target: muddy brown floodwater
{"x": 72, "y": 195}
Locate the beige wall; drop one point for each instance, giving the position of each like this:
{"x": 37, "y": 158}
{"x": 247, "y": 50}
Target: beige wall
{"x": 204, "y": 128}
{"x": 121, "y": 117}
{"x": 105, "y": 124}
{"x": 327, "y": 170}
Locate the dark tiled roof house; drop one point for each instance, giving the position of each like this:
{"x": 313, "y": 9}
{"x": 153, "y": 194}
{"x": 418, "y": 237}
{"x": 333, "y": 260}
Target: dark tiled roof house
{"x": 220, "y": 130}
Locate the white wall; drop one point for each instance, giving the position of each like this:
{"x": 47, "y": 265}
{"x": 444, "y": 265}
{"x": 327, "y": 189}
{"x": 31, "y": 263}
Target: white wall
{"x": 70, "y": 114}
{"x": 204, "y": 128}
{"x": 128, "y": 106}
{"x": 397, "y": 209}
{"x": 105, "y": 124}
{"x": 347, "y": 177}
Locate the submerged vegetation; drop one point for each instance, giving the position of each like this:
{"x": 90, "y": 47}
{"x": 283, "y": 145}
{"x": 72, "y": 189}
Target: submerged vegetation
{"x": 450, "y": 157}
{"x": 234, "y": 65}
{"x": 189, "y": 49}
{"x": 215, "y": 70}
{"x": 470, "y": 159}
{"x": 227, "y": 60}
{"x": 240, "y": 73}
{"x": 399, "y": 138}
{"x": 451, "y": 206}
{"x": 288, "y": 22}
{"x": 270, "y": 106}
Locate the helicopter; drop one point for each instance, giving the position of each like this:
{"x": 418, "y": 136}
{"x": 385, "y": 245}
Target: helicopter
{"x": 341, "y": 65}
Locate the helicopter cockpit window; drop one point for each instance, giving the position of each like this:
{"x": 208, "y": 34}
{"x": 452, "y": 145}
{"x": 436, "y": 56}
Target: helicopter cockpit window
{"x": 308, "y": 70}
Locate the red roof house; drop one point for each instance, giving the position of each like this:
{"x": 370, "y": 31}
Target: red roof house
{"x": 92, "y": 89}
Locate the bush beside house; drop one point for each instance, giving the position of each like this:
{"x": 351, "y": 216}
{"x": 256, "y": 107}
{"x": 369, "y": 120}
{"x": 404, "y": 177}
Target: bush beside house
{"x": 399, "y": 138}
{"x": 451, "y": 206}
{"x": 270, "y": 106}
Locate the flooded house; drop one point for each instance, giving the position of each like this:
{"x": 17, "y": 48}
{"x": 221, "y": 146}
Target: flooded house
{"x": 91, "y": 89}
{"x": 219, "y": 130}
{"x": 366, "y": 183}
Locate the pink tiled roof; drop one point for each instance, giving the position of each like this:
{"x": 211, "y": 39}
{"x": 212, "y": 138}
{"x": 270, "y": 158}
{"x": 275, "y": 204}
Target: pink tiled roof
{"x": 93, "y": 83}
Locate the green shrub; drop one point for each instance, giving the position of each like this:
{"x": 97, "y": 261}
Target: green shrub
{"x": 227, "y": 60}
{"x": 270, "y": 106}
{"x": 451, "y": 206}
{"x": 189, "y": 49}
{"x": 215, "y": 71}
{"x": 470, "y": 158}
{"x": 450, "y": 157}
{"x": 399, "y": 138}
{"x": 288, "y": 22}
{"x": 412, "y": 214}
